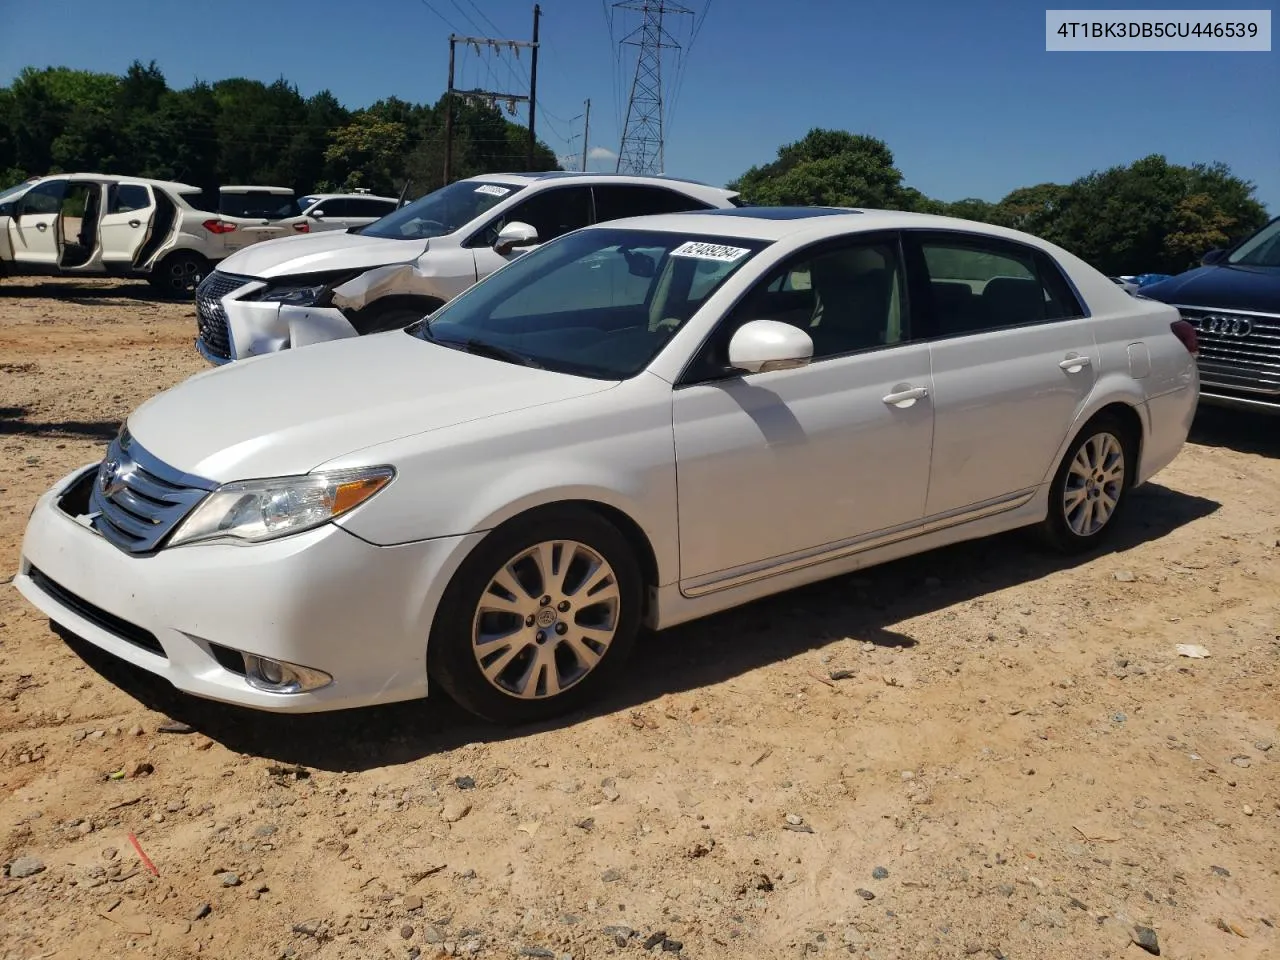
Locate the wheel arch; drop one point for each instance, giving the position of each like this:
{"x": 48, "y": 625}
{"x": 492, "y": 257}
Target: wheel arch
{"x": 1125, "y": 402}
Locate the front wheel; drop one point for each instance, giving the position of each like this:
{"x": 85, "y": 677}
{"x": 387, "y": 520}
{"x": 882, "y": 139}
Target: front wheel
{"x": 539, "y": 619}
{"x": 1090, "y": 486}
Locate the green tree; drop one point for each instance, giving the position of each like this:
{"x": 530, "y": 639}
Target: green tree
{"x": 370, "y": 149}
{"x": 828, "y": 167}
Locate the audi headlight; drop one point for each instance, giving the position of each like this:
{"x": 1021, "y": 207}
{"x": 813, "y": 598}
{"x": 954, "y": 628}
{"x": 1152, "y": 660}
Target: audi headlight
{"x": 251, "y": 511}
{"x": 293, "y": 294}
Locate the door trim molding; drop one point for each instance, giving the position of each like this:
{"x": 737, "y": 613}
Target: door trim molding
{"x": 777, "y": 566}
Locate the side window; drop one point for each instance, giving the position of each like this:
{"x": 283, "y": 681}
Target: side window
{"x": 616, "y": 202}
{"x": 336, "y": 207}
{"x": 552, "y": 213}
{"x": 978, "y": 285}
{"x": 847, "y": 297}
{"x": 43, "y": 198}
{"x": 128, "y": 197}
{"x": 371, "y": 208}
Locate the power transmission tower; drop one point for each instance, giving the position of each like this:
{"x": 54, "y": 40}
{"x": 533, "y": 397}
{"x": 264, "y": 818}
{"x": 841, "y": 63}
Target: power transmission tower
{"x": 492, "y": 97}
{"x": 642, "y": 150}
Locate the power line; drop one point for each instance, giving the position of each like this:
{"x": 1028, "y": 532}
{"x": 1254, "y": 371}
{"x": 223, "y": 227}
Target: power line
{"x": 447, "y": 22}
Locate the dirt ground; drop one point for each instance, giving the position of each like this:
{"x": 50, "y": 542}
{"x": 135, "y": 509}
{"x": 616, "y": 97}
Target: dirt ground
{"x": 1017, "y": 764}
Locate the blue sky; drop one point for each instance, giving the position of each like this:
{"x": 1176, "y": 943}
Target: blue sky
{"x": 964, "y": 93}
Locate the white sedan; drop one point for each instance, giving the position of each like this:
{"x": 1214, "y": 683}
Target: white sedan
{"x": 642, "y": 422}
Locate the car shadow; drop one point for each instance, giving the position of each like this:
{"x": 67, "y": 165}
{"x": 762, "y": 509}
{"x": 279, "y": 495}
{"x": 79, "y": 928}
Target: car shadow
{"x": 863, "y": 606}
{"x": 14, "y": 422}
{"x": 1238, "y": 430}
{"x": 89, "y": 295}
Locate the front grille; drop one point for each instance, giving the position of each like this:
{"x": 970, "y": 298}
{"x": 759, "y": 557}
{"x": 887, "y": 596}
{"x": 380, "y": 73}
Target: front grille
{"x": 1237, "y": 349}
{"x": 211, "y": 318}
{"x": 129, "y": 632}
{"x": 137, "y": 500}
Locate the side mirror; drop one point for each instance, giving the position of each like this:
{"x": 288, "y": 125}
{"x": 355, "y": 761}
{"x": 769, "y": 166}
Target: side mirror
{"x": 514, "y": 234}
{"x": 317, "y": 214}
{"x": 764, "y": 345}
{"x": 1216, "y": 255}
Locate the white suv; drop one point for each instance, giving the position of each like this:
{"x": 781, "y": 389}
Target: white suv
{"x": 89, "y": 224}
{"x": 323, "y": 286}
{"x": 342, "y": 211}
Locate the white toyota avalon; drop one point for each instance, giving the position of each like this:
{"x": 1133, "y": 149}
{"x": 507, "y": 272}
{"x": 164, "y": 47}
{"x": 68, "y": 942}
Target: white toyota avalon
{"x": 639, "y": 423}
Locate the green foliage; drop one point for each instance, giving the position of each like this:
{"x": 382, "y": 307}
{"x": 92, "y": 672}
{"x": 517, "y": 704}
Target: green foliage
{"x": 56, "y": 120}
{"x": 1150, "y": 216}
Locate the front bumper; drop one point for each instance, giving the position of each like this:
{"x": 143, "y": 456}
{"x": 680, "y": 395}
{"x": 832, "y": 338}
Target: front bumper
{"x": 323, "y": 599}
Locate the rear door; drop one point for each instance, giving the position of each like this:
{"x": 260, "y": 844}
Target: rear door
{"x": 131, "y": 213}
{"x": 1013, "y": 363}
{"x": 33, "y": 229}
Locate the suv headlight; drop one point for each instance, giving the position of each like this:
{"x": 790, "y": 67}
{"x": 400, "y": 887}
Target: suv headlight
{"x": 293, "y": 294}
{"x": 252, "y": 511}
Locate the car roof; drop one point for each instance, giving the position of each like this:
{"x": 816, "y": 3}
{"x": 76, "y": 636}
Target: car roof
{"x": 173, "y": 186}
{"x": 777, "y": 223}
{"x": 347, "y": 196}
{"x": 248, "y": 188}
{"x": 526, "y": 179}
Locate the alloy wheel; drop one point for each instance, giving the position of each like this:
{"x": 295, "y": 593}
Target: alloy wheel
{"x": 546, "y": 619}
{"x": 1094, "y": 484}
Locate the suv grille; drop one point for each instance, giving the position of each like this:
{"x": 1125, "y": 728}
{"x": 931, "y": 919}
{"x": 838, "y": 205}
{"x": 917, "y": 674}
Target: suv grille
{"x": 1240, "y": 350}
{"x": 211, "y": 319}
{"x": 137, "y": 500}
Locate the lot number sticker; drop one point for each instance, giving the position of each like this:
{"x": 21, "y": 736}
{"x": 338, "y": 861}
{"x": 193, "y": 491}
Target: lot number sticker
{"x": 710, "y": 251}
{"x": 493, "y": 191}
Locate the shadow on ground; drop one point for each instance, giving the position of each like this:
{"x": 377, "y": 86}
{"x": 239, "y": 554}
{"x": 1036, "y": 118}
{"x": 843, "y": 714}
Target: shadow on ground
{"x": 864, "y": 606}
{"x": 14, "y": 422}
{"x": 87, "y": 294}
{"x": 1237, "y": 430}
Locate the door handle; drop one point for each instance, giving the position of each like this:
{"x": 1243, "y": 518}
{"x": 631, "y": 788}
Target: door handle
{"x": 135, "y": 223}
{"x": 1074, "y": 364}
{"x": 42, "y": 227}
{"x": 906, "y": 397}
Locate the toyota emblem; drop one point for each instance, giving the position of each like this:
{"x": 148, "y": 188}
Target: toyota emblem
{"x": 1226, "y": 326}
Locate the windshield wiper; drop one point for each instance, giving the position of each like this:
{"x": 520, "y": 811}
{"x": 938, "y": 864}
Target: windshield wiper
{"x": 482, "y": 348}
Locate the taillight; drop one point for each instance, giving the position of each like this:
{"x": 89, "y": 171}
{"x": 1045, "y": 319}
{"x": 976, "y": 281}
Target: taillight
{"x": 1185, "y": 332}
{"x": 303, "y": 227}
{"x": 219, "y": 226}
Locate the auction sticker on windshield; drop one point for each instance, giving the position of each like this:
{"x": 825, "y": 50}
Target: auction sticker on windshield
{"x": 710, "y": 251}
{"x": 493, "y": 191}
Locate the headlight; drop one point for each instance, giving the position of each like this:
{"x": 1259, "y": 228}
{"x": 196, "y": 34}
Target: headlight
{"x": 296, "y": 295}
{"x": 255, "y": 510}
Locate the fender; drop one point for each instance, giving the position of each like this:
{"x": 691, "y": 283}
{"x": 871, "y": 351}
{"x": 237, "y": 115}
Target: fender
{"x": 1112, "y": 387}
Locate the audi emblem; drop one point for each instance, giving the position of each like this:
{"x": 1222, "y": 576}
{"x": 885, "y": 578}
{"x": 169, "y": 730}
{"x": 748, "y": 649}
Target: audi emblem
{"x": 1227, "y": 326}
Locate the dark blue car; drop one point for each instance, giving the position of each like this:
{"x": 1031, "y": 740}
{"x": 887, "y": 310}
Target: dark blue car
{"x": 1233, "y": 300}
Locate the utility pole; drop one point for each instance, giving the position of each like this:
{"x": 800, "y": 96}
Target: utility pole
{"x": 643, "y": 149}
{"x": 533, "y": 88}
{"x": 586, "y": 136}
{"x": 448, "y": 116}
{"x": 490, "y": 97}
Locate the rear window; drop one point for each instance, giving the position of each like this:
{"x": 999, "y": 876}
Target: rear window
{"x": 258, "y": 205}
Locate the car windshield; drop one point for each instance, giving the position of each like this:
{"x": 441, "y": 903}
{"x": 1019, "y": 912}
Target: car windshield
{"x": 1260, "y": 250}
{"x": 598, "y": 302}
{"x": 12, "y": 192}
{"x": 441, "y": 212}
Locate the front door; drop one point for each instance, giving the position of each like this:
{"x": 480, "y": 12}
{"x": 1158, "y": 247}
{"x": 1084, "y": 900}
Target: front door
{"x": 771, "y": 465}
{"x": 551, "y": 212}
{"x": 131, "y": 211}
{"x": 1013, "y": 364}
{"x": 33, "y": 228}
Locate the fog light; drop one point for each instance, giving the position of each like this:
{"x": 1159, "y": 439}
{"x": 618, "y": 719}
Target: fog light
{"x": 277, "y": 676}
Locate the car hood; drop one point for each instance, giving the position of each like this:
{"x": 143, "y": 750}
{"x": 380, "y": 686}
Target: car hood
{"x": 319, "y": 252}
{"x": 1221, "y": 287}
{"x": 286, "y": 413}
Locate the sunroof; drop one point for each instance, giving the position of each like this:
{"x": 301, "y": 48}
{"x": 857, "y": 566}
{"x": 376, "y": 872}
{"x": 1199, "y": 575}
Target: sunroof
{"x": 778, "y": 213}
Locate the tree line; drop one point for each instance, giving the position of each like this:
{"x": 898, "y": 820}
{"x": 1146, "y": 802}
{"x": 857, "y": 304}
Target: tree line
{"x": 59, "y": 120}
{"x": 1148, "y": 216}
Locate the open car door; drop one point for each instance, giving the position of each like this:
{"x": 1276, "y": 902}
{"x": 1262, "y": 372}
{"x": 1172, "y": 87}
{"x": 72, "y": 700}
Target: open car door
{"x": 33, "y": 227}
{"x": 127, "y": 224}
{"x": 79, "y": 222}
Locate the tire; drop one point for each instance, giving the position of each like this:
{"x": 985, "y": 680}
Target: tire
{"x": 522, "y": 688}
{"x": 178, "y": 274}
{"x": 379, "y": 318}
{"x": 1096, "y": 472}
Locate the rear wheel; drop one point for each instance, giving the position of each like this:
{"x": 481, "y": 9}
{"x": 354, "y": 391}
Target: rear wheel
{"x": 1091, "y": 485}
{"x": 539, "y": 619}
{"x": 178, "y": 274}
